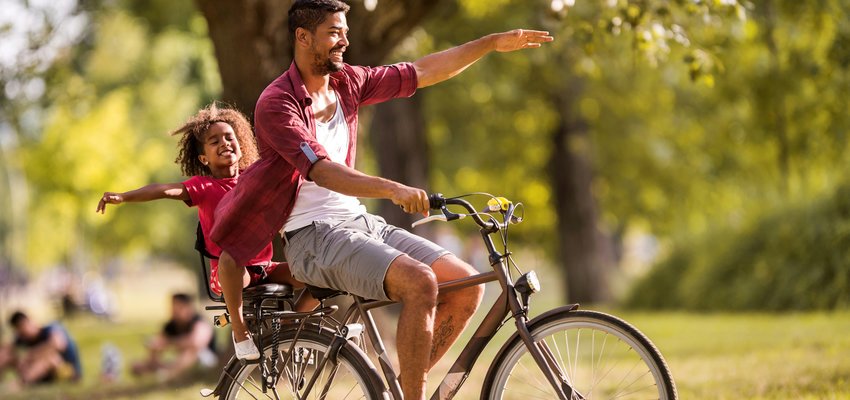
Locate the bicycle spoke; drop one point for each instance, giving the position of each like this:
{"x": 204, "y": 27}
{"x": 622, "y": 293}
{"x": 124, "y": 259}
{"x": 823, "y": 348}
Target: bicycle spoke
{"x": 632, "y": 383}
{"x": 592, "y": 352}
{"x": 243, "y": 387}
{"x": 598, "y": 362}
{"x": 560, "y": 358}
{"x": 623, "y": 379}
{"x": 348, "y": 378}
{"x": 578, "y": 340}
{"x": 538, "y": 383}
{"x": 569, "y": 357}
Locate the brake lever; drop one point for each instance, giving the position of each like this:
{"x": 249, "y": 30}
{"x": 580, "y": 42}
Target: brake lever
{"x": 445, "y": 217}
{"x": 430, "y": 218}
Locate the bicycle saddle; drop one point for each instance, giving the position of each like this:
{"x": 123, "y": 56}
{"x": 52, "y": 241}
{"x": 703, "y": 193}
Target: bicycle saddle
{"x": 267, "y": 290}
{"x": 320, "y": 293}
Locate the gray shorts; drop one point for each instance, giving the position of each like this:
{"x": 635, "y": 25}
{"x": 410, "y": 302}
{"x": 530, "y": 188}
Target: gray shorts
{"x": 354, "y": 254}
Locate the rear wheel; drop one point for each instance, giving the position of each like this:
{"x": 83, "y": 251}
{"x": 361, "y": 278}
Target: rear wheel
{"x": 352, "y": 377}
{"x": 599, "y": 355}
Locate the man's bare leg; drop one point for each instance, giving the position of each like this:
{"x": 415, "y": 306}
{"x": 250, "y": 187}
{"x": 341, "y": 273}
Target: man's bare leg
{"x": 414, "y": 285}
{"x": 152, "y": 363}
{"x": 233, "y": 279}
{"x": 186, "y": 359}
{"x": 37, "y": 364}
{"x": 7, "y": 357}
{"x": 454, "y": 309}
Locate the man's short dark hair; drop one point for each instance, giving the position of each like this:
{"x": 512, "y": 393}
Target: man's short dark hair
{"x": 17, "y": 318}
{"x": 309, "y": 14}
{"x": 182, "y": 298}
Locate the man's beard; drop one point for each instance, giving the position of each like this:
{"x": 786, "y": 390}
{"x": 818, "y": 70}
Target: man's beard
{"x": 322, "y": 64}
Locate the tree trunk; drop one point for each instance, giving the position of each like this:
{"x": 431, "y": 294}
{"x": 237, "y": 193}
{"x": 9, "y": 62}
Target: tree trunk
{"x": 397, "y": 136}
{"x": 584, "y": 251}
{"x": 776, "y": 107}
{"x": 251, "y": 42}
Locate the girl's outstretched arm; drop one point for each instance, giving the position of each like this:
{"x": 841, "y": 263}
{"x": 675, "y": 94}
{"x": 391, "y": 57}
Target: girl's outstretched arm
{"x": 155, "y": 191}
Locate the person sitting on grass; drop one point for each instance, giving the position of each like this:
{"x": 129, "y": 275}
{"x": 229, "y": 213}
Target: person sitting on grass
{"x": 216, "y": 144}
{"x": 187, "y": 334}
{"x": 41, "y": 354}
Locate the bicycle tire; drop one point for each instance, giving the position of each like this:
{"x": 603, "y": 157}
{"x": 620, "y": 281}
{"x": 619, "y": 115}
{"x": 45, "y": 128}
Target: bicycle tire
{"x": 501, "y": 384}
{"x": 358, "y": 371}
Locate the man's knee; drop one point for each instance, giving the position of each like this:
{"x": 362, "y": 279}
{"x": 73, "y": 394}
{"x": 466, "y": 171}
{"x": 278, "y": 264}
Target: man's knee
{"x": 410, "y": 281}
{"x": 448, "y": 268}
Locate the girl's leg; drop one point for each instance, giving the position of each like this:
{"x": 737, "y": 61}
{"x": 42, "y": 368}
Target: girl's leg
{"x": 233, "y": 278}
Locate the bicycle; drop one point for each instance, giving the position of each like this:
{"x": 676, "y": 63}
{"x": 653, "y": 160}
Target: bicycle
{"x": 563, "y": 353}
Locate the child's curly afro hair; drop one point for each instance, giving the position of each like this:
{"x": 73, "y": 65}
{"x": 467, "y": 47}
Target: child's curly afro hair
{"x": 195, "y": 129}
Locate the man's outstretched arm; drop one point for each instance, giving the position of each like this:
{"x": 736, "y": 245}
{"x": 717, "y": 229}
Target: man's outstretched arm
{"x": 437, "y": 67}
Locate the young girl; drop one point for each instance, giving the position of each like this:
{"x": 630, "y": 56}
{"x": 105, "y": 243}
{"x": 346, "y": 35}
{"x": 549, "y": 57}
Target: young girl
{"x": 215, "y": 145}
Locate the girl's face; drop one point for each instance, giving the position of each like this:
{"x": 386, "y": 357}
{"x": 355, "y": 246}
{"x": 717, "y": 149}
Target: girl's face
{"x": 221, "y": 149}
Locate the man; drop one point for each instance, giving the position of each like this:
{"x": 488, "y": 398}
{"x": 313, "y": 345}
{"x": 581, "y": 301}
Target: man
{"x": 306, "y": 188}
{"x": 187, "y": 334}
{"x": 50, "y": 353}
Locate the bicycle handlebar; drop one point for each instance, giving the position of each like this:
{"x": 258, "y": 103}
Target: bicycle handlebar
{"x": 438, "y": 202}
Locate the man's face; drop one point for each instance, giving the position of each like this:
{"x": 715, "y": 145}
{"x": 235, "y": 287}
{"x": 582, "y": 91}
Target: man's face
{"x": 329, "y": 43}
{"x": 181, "y": 312}
{"x": 26, "y": 329}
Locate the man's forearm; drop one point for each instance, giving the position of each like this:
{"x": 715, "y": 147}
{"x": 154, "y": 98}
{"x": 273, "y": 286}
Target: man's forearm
{"x": 437, "y": 67}
{"x": 348, "y": 181}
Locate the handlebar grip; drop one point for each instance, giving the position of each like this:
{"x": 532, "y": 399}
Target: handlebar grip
{"x": 436, "y": 201}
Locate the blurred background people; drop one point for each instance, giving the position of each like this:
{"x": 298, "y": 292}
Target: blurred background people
{"x": 187, "y": 335}
{"x": 40, "y": 354}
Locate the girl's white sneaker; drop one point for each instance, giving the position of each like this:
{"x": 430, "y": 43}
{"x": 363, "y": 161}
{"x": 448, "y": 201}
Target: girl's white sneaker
{"x": 246, "y": 349}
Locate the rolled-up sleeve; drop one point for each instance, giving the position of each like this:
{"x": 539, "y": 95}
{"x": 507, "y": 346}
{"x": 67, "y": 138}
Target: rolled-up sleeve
{"x": 379, "y": 84}
{"x": 284, "y": 130}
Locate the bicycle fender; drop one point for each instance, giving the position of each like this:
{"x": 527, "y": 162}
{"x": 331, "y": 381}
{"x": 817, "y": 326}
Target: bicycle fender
{"x": 515, "y": 337}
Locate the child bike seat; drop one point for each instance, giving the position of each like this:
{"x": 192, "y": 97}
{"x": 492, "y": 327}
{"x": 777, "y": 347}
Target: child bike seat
{"x": 267, "y": 290}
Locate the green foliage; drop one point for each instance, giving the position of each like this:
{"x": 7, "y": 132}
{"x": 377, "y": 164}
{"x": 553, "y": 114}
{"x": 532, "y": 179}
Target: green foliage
{"x": 795, "y": 259}
{"x": 494, "y": 133}
{"x": 112, "y": 105}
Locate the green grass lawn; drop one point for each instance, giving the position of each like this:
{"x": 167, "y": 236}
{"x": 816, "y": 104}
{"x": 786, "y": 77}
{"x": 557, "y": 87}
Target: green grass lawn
{"x": 712, "y": 356}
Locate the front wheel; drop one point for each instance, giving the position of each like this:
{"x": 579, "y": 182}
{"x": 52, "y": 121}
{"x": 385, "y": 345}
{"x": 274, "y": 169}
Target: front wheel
{"x": 352, "y": 377}
{"x": 598, "y": 355}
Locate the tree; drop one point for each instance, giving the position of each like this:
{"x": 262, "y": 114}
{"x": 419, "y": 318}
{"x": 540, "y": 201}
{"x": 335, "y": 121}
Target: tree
{"x": 576, "y": 106}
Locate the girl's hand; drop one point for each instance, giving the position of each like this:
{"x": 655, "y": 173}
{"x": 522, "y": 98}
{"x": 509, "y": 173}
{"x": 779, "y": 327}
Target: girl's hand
{"x": 109, "y": 198}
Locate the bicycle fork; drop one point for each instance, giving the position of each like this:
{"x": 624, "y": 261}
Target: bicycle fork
{"x": 545, "y": 360}
{"x": 346, "y": 333}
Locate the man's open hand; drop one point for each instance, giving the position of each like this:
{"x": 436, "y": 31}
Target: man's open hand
{"x": 519, "y": 39}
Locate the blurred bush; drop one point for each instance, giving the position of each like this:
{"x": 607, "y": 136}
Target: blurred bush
{"x": 794, "y": 259}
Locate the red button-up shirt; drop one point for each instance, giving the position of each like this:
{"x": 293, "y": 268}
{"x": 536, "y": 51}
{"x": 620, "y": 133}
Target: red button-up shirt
{"x": 249, "y": 216}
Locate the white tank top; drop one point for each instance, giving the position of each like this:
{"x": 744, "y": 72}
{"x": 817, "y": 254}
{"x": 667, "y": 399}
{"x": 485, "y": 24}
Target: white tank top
{"x": 315, "y": 202}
